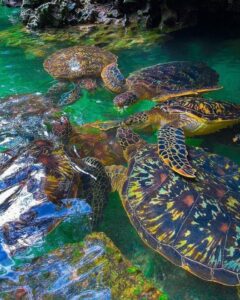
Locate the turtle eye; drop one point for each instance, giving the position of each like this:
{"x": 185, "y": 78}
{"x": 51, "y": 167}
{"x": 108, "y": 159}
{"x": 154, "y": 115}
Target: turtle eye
{"x": 45, "y": 151}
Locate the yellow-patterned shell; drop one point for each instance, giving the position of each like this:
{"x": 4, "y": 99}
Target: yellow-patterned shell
{"x": 194, "y": 223}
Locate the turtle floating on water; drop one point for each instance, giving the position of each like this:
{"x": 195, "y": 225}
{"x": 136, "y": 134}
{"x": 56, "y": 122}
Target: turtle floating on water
{"x": 194, "y": 223}
{"x": 191, "y": 115}
{"x": 163, "y": 81}
{"x": 82, "y": 65}
{"x": 39, "y": 185}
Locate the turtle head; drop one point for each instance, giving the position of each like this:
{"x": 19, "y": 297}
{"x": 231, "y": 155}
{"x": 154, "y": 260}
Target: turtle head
{"x": 129, "y": 141}
{"x": 62, "y": 127}
{"x": 113, "y": 78}
{"x": 140, "y": 120}
{"x": 125, "y": 99}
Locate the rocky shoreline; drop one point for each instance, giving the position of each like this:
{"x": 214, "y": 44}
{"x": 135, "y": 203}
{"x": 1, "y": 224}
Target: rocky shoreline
{"x": 167, "y": 15}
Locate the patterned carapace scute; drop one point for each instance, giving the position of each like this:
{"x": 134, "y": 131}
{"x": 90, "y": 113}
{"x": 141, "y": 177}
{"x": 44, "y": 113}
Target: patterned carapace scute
{"x": 195, "y": 223}
{"x": 78, "y": 61}
{"x": 173, "y": 78}
{"x": 40, "y": 185}
{"x": 203, "y": 108}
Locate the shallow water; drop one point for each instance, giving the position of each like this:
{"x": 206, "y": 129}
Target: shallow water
{"x": 22, "y": 72}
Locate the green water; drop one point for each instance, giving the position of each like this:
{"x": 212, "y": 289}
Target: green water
{"x": 22, "y": 72}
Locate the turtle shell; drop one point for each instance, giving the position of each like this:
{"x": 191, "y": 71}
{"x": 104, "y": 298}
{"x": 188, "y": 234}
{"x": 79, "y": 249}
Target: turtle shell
{"x": 96, "y": 139}
{"x": 78, "y": 62}
{"x": 91, "y": 140}
{"x": 178, "y": 78}
{"x": 203, "y": 108}
{"x": 43, "y": 178}
{"x": 194, "y": 223}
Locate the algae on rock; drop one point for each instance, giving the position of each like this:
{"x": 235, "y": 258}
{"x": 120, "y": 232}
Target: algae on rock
{"x": 93, "y": 268}
{"x": 110, "y": 37}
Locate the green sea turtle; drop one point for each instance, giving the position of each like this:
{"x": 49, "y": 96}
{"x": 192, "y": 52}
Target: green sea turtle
{"x": 196, "y": 115}
{"x": 95, "y": 139}
{"x": 194, "y": 223}
{"x": 82, "y": 65}
{"x": 39, "y": 185}
{"x": 191, "y": 115}
{"x": 163, "y": 81}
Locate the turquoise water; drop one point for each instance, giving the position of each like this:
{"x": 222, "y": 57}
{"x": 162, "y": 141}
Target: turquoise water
{"x": 22, "y": 72}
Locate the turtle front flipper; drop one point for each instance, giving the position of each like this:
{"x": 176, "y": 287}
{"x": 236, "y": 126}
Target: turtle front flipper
{"x": 173, "y": 152}
{"x": 62, "y": 93}
{"x": 113, "y": 78}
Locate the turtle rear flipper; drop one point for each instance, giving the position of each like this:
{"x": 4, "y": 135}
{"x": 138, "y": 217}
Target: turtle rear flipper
{"x": 173, "y": 152}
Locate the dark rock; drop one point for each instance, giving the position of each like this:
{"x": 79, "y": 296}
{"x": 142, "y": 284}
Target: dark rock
{"x": 168, "y": 15}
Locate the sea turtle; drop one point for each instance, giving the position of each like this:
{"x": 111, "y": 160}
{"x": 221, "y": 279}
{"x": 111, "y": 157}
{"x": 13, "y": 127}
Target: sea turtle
{"x": 95, "y": 139}
{"x": 194, "y": 223}
{"x": 82, "y": 65}
{"x": 39, "y": 185}
{"x": 163, "y": 81}
{"x": 192, "y": 115}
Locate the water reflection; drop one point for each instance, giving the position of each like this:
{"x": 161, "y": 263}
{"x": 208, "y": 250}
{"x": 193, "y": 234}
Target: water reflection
{"x": 72, "y": 271}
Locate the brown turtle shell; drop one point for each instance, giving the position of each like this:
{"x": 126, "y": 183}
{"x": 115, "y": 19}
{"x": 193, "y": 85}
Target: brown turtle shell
{"x": 78, "y": 62}
{"x": 177, "y": 78}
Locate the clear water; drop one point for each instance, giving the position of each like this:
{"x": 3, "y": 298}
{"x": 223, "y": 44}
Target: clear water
{"x": 23, "y": 73}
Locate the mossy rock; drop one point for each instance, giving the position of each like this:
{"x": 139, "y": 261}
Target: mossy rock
{"x": 95, "y": 268}
{"x": 110, "y": 37}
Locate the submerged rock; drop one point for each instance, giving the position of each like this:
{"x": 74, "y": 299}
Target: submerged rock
{"x": 93, "y": 269}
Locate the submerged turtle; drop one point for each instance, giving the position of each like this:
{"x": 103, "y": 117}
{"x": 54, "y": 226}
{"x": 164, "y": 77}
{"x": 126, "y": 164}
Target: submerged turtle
{"x": 39, "y": 185}
{"x": 163, "y": 81}
{"x": 82, "y": 65}
{"x": 193, "y": 223}
{"x": 192, "y": 115}
{"x": 96, "y": 139}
